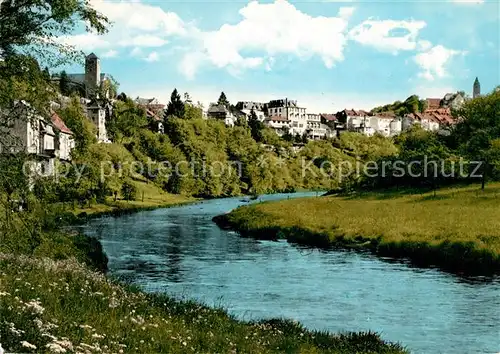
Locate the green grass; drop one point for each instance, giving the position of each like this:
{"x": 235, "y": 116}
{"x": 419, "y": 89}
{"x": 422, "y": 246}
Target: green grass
{"x": 48, "y": 305}
{"x": 149, "y": 196}
{"x": 457, "y": 228}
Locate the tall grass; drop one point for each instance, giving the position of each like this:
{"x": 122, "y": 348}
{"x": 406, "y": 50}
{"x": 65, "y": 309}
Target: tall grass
{"x": 61, "y": 306}
{"x": 455, "y": 228}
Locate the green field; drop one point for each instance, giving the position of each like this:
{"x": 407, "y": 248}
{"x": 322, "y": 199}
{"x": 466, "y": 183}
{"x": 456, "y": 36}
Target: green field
{"x": 455, "y": 228}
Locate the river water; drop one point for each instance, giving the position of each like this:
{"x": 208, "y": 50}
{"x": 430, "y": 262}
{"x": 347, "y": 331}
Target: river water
{"x": 180, "y": 251}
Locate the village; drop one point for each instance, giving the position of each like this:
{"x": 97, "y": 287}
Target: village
{"x": 53, "y": 140}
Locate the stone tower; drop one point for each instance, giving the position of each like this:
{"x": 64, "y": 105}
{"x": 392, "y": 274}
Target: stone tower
{"x": 92, "y": 75}
{"x": 476, "y": 91}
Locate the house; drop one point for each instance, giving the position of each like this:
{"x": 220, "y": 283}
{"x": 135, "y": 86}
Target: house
{"x": 426, "y": 120}
{"x": 249, "y": 105}
{"x": 453, "y": 100}
{"x": 355, "y": 120}
{"x": 98, "y": 111}
{"x": 433, "y": 103}
{"x": 65, "y": 142}
{"x": 40, "y": 139}
{"x": 248, "y": 113}
{"x": 383, "y": 122}
{"x": 221, "y": 112}
{"x": 152, "y": 105}
{"x": 315, "y": 130}
{"x": 280, "y": 124}
{"x": 290, "y": 111}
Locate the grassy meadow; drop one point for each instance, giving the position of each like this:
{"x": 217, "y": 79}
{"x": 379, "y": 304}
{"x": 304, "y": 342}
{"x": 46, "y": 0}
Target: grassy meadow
{"x": 61, "y": 306}
{"x": 148, "y": 196}
{"x": 455, "y": 228}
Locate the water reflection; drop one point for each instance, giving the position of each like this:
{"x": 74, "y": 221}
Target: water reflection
{"x": 181, "y": 252}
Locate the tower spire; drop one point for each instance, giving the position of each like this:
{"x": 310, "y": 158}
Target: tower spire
{"x": 476, "y": 89}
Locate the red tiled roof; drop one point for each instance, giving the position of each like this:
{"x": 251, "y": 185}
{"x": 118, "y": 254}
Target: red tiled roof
{"x": 59, "y": 124}
{"x": 385, "y": 115}
{"x": 433, "y": 103}
{"x": 354, "y": 113}
{"x": 328, "y": 117}
{"x": 152, "y": 115}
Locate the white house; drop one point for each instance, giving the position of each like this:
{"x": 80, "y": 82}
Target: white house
{"x": 260, "y": 114}
{"x": 316, "y": 130}
{"x": 290, "y": 111}
{"x": 279, "y": 124}
{"x": 65, "y": 140}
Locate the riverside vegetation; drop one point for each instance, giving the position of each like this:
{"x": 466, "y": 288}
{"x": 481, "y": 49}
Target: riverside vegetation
{"x": 54, "y": 297}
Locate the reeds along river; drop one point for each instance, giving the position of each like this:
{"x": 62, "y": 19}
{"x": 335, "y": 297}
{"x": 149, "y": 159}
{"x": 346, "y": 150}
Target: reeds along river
{"x": 180, "y": 251}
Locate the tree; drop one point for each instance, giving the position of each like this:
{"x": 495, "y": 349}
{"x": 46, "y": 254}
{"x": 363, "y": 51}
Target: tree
{"x": 187, "y": 98}
{"x": 127, "y": 120}
{"x": 175, "y": 106}
{"x": 46, "y": 74}
{"x": 478, "y": 126}
{"x": 34, "y": 25}
{"x": 64, "y": 84}
{"x": 84, "y": 132}
{"x": 192, "y": 112}
{"x": 223, "y": 100}
{"x": 256, "y": 126}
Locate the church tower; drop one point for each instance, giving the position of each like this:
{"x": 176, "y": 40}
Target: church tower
{"x": 92, "y": 75}
{"x": 476, "y": 91}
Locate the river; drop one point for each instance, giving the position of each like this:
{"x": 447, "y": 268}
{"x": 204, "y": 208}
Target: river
{"x": 180, "y": 251}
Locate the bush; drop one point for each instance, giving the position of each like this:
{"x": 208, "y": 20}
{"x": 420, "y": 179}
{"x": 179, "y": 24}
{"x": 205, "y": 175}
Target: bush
{"x": 129, "y": 191}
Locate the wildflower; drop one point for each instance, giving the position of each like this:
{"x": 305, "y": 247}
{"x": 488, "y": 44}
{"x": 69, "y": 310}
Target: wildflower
{"x": 35, "y": 307}
{"x": 55, "y": 348}
{"x": 98, "y": 336}
{"x": 4, "y": 293}
{"x": 28, "y": 345}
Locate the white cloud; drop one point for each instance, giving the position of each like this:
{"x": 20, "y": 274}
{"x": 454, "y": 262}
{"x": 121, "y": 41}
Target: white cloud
{"x": 136, "y": 52}
{"x": 152, "y": 57}
{"x": 110, "y": 54}
{"x": 267, "y": 30}
{"x": 379, "y": 34}
{"x": 86, "y": 42}
{"x": 423, "y": 45}
{"x": 144, "y": 40}
{"x": 433, "y": 62}
{"x": 135, "y": 15}
{"x": 132, "y": 24}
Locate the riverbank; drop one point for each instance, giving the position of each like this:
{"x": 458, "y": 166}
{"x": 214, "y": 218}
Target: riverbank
{"x": 456, "y": 229}
{"x": 47, "y": 305}
{"x": 52, "y": 301}
{"x": 148, "y": 197}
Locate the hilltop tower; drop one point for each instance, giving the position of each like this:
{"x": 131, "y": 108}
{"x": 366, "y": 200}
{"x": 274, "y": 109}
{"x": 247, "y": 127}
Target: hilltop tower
{"x": 476, "y": 91}
{"x": 92, "y": 75}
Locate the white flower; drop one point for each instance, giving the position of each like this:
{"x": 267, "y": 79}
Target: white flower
{"x": 28, "y": 345}
{"x": 1, "y": 349}
{"x": 35, "y": 306}
{"x": 55, "y": 348}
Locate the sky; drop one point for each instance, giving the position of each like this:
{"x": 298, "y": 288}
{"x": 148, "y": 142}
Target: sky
{"x": 327, "y": 55}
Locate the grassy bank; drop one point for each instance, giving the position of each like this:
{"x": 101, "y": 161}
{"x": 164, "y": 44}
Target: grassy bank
{"x": 148, "y": 196}
{"x": 62, "y": 306}
{"x": 457, "y": 229}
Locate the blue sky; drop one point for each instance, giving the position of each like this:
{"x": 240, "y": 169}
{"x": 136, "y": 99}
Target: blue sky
{"x": 327, "y": 55}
